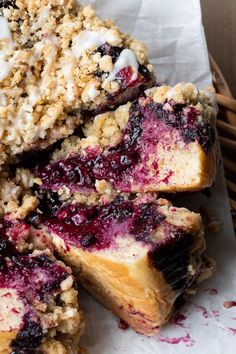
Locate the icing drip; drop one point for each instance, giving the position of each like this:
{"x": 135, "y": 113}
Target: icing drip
{"x": 89, "y": 39}
{"x": 4, "y": 67}
{"x": 5, "y": 34}
{"x": 126, "y": 59}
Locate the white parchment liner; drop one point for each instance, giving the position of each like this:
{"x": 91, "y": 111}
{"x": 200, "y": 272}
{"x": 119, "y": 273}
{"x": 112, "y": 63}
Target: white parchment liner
{"x": 173, "y": 31}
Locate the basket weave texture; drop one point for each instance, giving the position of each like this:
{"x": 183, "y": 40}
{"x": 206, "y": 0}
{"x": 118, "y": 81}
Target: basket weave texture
{"x": 226, "y": 125}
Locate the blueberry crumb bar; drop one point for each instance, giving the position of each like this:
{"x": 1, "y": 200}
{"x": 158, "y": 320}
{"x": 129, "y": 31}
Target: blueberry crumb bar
{"x": 88, "y": 141}
{"x": 164, "y": 141}
{"x": 135, "y": 256}
{"x": 58, "y": 59}
{"x": 38, "y": 303}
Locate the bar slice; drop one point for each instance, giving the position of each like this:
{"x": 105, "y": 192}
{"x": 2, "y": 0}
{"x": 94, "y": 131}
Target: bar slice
{"x": 136, "y": 257}
{"x": 39, "y": 309}
{"x": 38, "y": 304}
{"x": 163, "y": 142}
{"x": 58, "y": 59}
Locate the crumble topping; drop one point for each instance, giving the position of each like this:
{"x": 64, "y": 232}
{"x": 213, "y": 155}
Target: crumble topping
{"x": 15, "y": 195}
{"x": 186, "y": 93}
{"x": 106, "y": 129}
{"x": 52, "y": 67}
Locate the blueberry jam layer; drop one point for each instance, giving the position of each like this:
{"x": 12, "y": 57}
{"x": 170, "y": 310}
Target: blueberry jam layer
{"x": 75, "y": 172}
{"x": 98, "y": 227}
{"x": 29, "y": 337}
{"x": 7, "y": 3}
{"x": 34, "y": 278}
{"x": 133, "y": 161}
{"x": 172, "y": 259}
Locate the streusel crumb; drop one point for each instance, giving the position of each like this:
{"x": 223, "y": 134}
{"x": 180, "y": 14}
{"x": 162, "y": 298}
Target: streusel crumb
{"x": 15, "y": 196}
{"x": 186, "y": 93}
{"x": 58, "y": 59}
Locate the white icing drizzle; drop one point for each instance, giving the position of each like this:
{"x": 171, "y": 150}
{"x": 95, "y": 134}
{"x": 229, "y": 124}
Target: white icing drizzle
{"x": 44, "y": 14}
{"x": 51, "y": 42}
{"x": 126, "y": 59}
{"x": 4, "y": 67}
{"x": 3, "y": 99}
{"x": 90, "y": 39}
{"x": 34, "y": 95}
{"x": 92, "y": 92}
{"x": 67, "y": 70}
{"x": 5, "y": 33}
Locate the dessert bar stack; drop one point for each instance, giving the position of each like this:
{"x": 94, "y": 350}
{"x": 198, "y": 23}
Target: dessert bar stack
{"x": 89, "y": 140}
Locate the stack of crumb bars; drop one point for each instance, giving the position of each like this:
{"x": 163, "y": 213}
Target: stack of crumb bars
{"x": 89, "y": 142}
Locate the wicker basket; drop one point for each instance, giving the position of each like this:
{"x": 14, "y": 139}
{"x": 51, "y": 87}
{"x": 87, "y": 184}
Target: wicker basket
{"x": 226, "y": 124}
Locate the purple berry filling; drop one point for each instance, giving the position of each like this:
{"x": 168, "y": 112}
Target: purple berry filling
{"x": 11, "y": 231}
{"x": 7, "y": 3}
{"x": 112, "y": 51}
{"x": 35, "y": 278}
{"x": 44, "y": 274}
{"x": 172, "y": 259}
{"x": 128, "y": 163}
{"x": 76, "y": 173}
{"x": 30, "y": 335}
{"x": 98, "y": 227}
{"x": 124, "y": 76}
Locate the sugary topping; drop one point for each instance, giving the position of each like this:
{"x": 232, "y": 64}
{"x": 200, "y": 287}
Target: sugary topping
{"x": 7, "y": 45}
{"x": 52, "y": 67}
{"x": 187, "y": 94}
{"x": 130, "y": 161}
{"x": 5, "y": 30}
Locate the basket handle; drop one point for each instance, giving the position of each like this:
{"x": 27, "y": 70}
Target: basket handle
{"x": 224, "y": 96}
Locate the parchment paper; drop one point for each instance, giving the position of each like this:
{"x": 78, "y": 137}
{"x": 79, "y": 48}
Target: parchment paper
{"x": 173, "y": 31}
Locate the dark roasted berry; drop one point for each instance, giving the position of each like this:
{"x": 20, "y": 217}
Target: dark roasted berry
{"x": 112, "y": 51}
{"x": 29, "y": 337}
{"x": 8, "y": 3}
{"x": 34, "y": 219}
{"x": 171, "y": 257}
{"x": 143, "y": 70}
{"x": 87, "y": 240}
